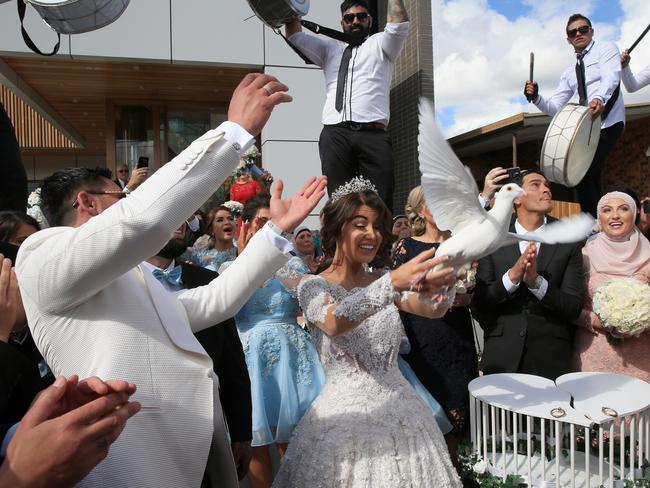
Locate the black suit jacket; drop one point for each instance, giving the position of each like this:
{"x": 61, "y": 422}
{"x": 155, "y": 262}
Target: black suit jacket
{"x": 524, "y": 334}
{"x": 13, "y": 184}
{"x": 222, "y": 344}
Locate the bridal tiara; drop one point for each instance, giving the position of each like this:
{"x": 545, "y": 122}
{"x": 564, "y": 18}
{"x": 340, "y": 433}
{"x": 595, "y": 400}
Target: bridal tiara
{"x": 355, "y": 185}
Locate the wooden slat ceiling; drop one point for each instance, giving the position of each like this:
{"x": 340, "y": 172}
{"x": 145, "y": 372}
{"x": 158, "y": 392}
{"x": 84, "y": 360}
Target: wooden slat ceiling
{"x": 32, "y": 130}
{"x": 78, "y": 90}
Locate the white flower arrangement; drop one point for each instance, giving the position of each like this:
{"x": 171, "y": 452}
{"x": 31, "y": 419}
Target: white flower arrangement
{"x": 247, "y": 160}
{"x": 34, "y": 208}
{"x": 623, "y": 306}
{"x": 480, "y": 467}
{"x": 235, "y": 208}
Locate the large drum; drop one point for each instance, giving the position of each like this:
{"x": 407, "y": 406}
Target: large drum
{"x": 276, "y": 13}
{"x": 569, "y": 145}
{"x": 78, "y": 16}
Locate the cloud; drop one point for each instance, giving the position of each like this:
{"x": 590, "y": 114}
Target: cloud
{"x": 481, "y": 58}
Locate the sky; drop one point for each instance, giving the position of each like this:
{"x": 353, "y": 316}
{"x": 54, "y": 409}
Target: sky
{"x": 481, "y": 51}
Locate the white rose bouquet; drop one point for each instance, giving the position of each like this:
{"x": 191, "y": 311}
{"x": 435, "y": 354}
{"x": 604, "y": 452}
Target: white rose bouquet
{"x": 34, "y": 208}
{"x": 623, "y": 306}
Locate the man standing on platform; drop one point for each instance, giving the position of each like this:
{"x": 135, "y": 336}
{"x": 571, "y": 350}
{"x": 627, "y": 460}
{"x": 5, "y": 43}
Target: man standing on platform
{"x": 595, "y": 78}
{"x": 354, "y": 139}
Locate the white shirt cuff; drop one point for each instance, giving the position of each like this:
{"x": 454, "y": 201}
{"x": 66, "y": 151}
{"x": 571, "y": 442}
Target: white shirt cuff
{"x": 283, "y": 245}
{"x": 237, "y": 136}
{"x": 397, "y": 27}
{"x": 541, "y": 291}
{"x": 508, "y": 284}
{"x": 483, "y": 201}
{"x": 8, "y": 436}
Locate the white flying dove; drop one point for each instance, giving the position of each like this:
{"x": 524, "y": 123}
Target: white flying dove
{"x": 452, "y": 197}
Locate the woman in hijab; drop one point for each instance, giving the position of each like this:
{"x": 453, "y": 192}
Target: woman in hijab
{"x": 619, "y": 251}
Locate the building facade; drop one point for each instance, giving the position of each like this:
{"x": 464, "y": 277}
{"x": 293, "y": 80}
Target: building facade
{"x": 162, "y": 74}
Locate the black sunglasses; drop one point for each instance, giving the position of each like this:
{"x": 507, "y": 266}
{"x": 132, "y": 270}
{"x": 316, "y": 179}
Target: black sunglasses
{"x": 349, "y": 18}
{"x": 583, "y": 29}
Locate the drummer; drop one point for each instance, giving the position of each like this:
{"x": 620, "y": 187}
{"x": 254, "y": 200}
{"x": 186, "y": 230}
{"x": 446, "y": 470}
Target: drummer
{"x": 354, "y": 139}
{"x": 598, "y": 89}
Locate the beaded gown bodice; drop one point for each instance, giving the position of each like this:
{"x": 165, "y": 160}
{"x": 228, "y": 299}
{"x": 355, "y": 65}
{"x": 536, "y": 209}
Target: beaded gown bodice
{"x": 370, "y": 349}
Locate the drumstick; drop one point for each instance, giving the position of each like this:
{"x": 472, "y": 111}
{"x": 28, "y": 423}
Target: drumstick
{"x": 530, "y": 77}
{"x": 639, "y": 39}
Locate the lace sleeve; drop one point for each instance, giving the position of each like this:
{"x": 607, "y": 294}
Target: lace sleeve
{"x": 314, "y": 299}
{"x": 291, "y": 273}
{"x": 316, "y": 302}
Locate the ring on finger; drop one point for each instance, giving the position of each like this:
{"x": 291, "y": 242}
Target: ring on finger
{"x": 268, "y": 89}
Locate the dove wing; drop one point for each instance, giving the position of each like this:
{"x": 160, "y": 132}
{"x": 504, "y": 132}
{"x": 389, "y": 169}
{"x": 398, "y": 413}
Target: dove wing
{"x": 449, "y": 188}
{"x": 564, "y": 231}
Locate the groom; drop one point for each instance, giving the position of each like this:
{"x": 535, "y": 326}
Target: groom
{"x": 73, "y": 273}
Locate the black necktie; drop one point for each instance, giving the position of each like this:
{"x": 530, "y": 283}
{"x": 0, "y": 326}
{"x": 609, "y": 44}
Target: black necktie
{"x": 580, "y": 76}
{"x": 343, "y": 75}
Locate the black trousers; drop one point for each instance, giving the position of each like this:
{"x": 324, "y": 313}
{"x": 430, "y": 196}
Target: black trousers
{"x": 346, "y": 153}
{"x": 589, "y": 189}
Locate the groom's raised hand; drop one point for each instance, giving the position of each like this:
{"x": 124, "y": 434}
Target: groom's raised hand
{"x": 288, "y": 214}
{"x": 254, "y": 99}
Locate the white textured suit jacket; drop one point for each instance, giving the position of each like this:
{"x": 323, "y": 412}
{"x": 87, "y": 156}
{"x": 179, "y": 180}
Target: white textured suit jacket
{"x": 93, "y": 311}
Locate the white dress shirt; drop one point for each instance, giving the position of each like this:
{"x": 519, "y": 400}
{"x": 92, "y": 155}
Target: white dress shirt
{"x": 507, "y": 282}
{"x": 602, "y": 75}
{"x": 367, "y": 93}
{"x": 634, "y": 83}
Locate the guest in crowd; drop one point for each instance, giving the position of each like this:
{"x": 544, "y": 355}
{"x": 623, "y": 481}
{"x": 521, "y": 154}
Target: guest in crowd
{"x": 401, "y": 227}
{"x": 67, "y": 431}
{"x": 222, "y": 344}
{"x": 16, "y": 226}
{"x": 618, "y": 251}
{"x": 129, "y": 184}
{"x": 528, "y": 295}
{"x": 283, "y": 365}
{"x": 442, "y": 352}
{"x": 493, "y": 182}
{"x": 631, "y": 81}
{"x": 220, "y": 245}
{"x": 354, "y": 140}
{"x": 24, "y": 371}
{"x": 244, "y": 187}
{"x": 644, "y": 217}
{"x": 303, "y": 240}
{"x": 94, "y": 310}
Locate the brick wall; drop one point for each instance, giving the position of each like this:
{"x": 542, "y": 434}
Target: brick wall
{"x": 412, "y": 78}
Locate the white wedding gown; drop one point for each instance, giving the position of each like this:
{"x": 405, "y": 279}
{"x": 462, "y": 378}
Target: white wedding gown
{"x": 368, "y": 428}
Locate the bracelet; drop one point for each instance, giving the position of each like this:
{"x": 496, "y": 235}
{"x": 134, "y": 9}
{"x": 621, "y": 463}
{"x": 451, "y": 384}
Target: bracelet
{"x": 287, "y": 235}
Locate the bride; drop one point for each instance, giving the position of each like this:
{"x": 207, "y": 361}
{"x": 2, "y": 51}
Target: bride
{"x": 368, "y": 427}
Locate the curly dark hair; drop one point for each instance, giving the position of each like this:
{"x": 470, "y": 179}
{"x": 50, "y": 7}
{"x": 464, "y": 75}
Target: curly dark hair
{"x": 336, "y": 214}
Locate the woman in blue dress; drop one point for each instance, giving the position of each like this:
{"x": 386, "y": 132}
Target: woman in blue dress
{"x": 220, "y": 247}
{"x": 283, "y": 365}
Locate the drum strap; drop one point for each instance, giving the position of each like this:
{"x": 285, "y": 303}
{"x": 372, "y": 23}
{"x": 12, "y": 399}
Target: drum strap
{"x": 27, "y": 39}
{"x": 610, "y": 103}
{"x": 319, "y": 29}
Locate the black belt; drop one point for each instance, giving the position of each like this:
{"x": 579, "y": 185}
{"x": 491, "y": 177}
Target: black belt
{"x": 361, "y": 125}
